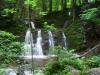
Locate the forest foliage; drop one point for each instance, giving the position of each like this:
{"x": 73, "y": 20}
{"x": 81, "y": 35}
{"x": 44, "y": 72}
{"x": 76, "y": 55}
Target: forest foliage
{"x": 79, "y": 19}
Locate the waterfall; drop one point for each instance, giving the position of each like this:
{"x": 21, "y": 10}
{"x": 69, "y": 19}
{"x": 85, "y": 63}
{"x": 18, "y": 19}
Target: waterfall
{"x": 33, "y": 25}
{"x": 69, "y": 13}
{"x": 38, "y": 46}
{"x": 64, "y": 40}
{"x": 28, "y": 43}
{"x": 51, "y": 40}
{"x": 28, "y": 37}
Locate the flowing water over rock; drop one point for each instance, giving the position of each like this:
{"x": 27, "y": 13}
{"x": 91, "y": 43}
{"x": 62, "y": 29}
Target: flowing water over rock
{"x": 29, "y": 45}
{"x": 10, "y": 71}
{"x": 33, "y": 25}
{"x": 33, "y": 51}
{"x": 64, "y": 40}
{"x": 38, "y": 46}
{"x": 69, "y": 13}
{"x": 51, "y": 40}
{"x": 28, "y": 72}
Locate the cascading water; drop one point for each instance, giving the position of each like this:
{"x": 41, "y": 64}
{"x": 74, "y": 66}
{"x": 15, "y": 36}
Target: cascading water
{"x": 10, "y": 72}
{"x": 28, "y": 73}
{"x": 29, "y": 45}
{"x": 51, "y": 40}
{"x": 69, "y": 13}
{"x": 33, "y": 25}
{"x": 38, "y": 46}
{"x": 64, "y": 40}
{"x": 34, "y": 52}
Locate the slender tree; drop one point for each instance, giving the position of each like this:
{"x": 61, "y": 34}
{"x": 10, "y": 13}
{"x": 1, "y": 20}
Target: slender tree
{"x": 44, "y": 5}
{"x": 57, "y": 5}
{"x": 62, "y": 1}
{"x": 73, "y": 9}
{"x": 64, "y": 4}
{"x": 50, "y": 6}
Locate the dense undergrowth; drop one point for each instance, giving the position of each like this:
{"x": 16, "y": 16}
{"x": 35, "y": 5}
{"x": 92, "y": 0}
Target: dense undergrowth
{"x": 10, "y": 48}
{"x": 83, "y": 32}
{"x": 76, "y": 35}
{"x": 68, "y": 61}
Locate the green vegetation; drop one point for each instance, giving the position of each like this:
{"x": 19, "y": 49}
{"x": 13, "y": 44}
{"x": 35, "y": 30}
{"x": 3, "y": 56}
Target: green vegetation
{"x": 75, "y": 33}
{"x": 89, "y": 14}
{"x": 78, "y": 19}
{"x": 49, "y": 27}
{"x": 66, "y": 63}
{"x": 93, "y": 61}
{"x": 10, "y": 48}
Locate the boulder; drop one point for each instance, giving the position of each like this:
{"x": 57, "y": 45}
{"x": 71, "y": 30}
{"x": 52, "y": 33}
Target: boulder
{"x": 94, "y": 71}
{"x": 75, "y": 72}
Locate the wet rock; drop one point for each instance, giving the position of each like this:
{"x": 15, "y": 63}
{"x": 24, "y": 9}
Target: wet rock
{"x": 94, "y": 71}
{"x": 75, "y": 72}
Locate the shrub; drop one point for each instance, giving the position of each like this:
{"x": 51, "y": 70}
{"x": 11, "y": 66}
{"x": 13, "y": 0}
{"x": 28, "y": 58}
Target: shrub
{"x": 66, "y": 62}
{"x": 49, "y": 27}
{"x": 89, "y": 14}
{"x": 93, "y": 61}
{"x": 56, "y": 68}
{"x": 10, "y": 48}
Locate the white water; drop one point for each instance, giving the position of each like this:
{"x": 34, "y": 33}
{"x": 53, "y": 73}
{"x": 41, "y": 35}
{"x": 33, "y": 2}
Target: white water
{"x": 28, "y": 37}
{"x": 38, "y": 46}
{"x": 10, "y": 72}
{"x": 28, "y": 43}
{"x": 29, "y": 46}
{"x": 64, "y": 40}
{"x": 69, "y": 13}
{"x": 51, "y": 40}
{"x": 37, "y": 72}
{"x": 28, "y": 73}
{"x": 33, "y": 25}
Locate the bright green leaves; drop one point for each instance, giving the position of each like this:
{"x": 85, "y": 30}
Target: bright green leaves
{"x": 8, "y": 11}
{"x": 10, "y": 48}
{"x": 31, "y": 2}
{"x": 93, "y": 61}
{"x": 8, "y": 8}
{"x": 91, "y": 0}
{"x": 7, "y": 35}
{"x": 89, "y": 14}
{"x": 49, "y": 27}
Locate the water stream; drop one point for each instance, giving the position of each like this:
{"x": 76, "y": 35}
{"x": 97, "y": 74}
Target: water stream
{"x": 51, "y": 40}
{"x": 33, "y": 25}
{"x": 38, "y": 45}
{"x": 10, "y": 71}
{"x": 64, "y": 40}
{"x": 29, "y": 45}
{"x": 36, "y": 48}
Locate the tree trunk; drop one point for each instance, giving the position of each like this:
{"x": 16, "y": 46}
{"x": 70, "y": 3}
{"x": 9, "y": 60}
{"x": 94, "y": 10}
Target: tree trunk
{"x": 74, "y": 9}
{"x": 57, "y": 5}
{"x": 44, "y": 5}
{"x": 50, "y": 6}
{"x": 64, "y": 5}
